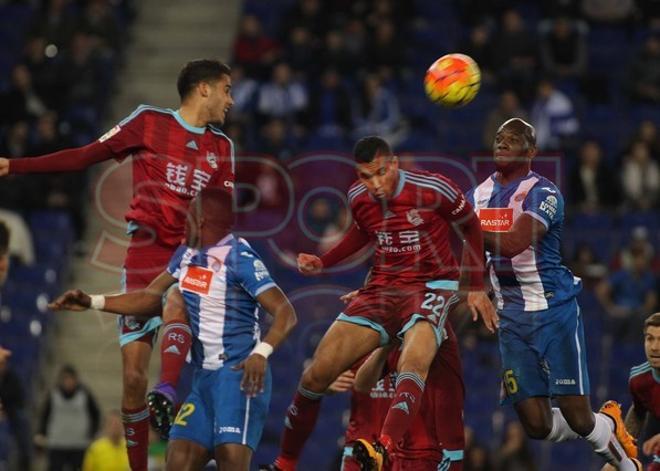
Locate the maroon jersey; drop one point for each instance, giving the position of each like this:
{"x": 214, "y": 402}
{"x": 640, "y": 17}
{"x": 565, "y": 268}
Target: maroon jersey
{"x": 644, "y": 386}
{"x": 172, "y": 162}
{"x": 411, "y": 229}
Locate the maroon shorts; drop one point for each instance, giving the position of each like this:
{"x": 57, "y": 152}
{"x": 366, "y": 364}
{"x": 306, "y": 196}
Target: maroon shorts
{"x": 391, "y": 311}
{"x": 145, "y": 260}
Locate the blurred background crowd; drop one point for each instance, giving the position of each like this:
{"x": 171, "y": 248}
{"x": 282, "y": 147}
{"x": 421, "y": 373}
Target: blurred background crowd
{"x": 309, "y": 78}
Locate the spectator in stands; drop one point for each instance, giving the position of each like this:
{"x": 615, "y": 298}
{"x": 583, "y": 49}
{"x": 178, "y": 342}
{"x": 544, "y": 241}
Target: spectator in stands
{"x": 309, "y": 14}
{"x": 42, "y": 69}
{"x": 515, "y": 54}
{"x": 647, "y": 132}
{"x": 563, "y": 48}
{"x": 253, "y": 49}
{"x": 554, "y": 117}
{"x": 385, "y": 52}
{"x": 640, "y": 178}
{"x": 68, "y": 423}
{"x": 330, "y": 108}
{"x": 302, "y": 53}
{"x": 378, "y": 112}
{"x": 21, "y": 101}
{"x": 277, "y": 140}
{"x": 628, "y": 297}
{"x": 15, "y": 143}
{"x": 639, "y": 243}
{"x": 644, "y": 75}
{"x": 100, "y": 21}
{"x": 13, "y": 405}
{"x": 282, "y": 97}
{"x": 355, "y": 38}
{"x": 508, "y": 108}
{"x": 56, "y": 22}
{"x": 514, "y": 454}
{"x": 244, "y": 92}
{"x": 480, "y": 48}
{"x": 593, "y": 184}
{"x": 108, "y": 452}
{"x": 334, "y": 53}
{"x": 586, "y": 266}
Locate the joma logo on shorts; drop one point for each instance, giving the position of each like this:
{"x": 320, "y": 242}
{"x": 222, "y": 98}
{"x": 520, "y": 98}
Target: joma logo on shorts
{"x": 565, "y": 382}
{"x": 229, "y": 430}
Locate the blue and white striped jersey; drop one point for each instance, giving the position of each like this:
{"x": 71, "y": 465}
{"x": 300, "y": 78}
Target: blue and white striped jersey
{"x": 219, "y": 285}
{"x": 535, "y": 279}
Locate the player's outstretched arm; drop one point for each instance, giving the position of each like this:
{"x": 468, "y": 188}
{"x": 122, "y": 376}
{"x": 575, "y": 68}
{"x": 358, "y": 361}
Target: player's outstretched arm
{"x": 144, "y": 302}
{"x": 635, "y": 420}
{"x": 277, "y": 305}
{"x": 68, "y": 160}
{"x": 372, "y": 369}
{"x": 526, "y": 231}
{"x": 353, "y": 241}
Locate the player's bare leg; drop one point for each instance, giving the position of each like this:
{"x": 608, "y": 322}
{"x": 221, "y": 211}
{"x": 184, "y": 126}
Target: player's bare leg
{"x": 135, "y": 415}
{"x": 184, "y": 455}
{"x": 575, "y": 419}
{"x": 174, "y": 348}
{"x": 342, "y": 345}
{"x": 233, "y": 456}
{"x": 419, "y": 349}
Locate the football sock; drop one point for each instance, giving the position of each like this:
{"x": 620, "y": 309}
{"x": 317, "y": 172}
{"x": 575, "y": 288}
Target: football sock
{"x": 604, "y": 442}
{"x": 298, "y": 426}
{"x": 406, "y": 403}
{"x": 136, "y": 430}
{"x": 173, "y": 351}
{"x": 561, "y": 431}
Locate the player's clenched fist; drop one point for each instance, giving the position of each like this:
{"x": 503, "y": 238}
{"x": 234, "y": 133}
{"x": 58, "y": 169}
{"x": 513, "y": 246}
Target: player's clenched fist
{"x": 4, "y": 166}
{"x": 309, "y": 264}
{"x": 254, "y": 371}
{"x": 72, "y": 300}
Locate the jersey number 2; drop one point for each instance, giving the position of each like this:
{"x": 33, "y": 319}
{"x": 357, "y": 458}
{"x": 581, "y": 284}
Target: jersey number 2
{"x": 186, "y": 410}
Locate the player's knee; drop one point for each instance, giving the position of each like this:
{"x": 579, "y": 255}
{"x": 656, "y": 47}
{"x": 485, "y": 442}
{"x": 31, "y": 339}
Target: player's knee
{"x": 537, "y": 431}
{"x": 135, "y": 382}
{"x": 315, "y": 379}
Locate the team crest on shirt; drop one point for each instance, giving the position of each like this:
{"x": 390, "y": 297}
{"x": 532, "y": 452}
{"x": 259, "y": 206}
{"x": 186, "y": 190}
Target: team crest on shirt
{"x": 414, "y": 217}
{"x": 212, "y": 159}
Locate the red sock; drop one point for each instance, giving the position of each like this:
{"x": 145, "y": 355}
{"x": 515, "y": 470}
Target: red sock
{"x": 173, "y": 351}
{"x": 298, "y": 426}
{"x": 136, "y": 430}
{"x": 404, "y": 408}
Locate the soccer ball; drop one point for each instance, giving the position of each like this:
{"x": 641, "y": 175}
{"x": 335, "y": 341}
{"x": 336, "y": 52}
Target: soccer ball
{"x": 453, "y": 80}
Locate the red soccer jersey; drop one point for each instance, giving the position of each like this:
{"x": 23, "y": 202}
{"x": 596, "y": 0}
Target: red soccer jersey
{"x": 411, "y": 229}
{"x": 172, "y": 162}
{"x": 644, "y": 386}
{"x": 368, "y": 410}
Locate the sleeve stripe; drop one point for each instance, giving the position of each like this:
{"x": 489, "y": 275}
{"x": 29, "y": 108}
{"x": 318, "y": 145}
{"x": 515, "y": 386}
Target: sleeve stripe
{"x": 265, "y": 287}
{"x": 538, "y": 218}
{"x": 435, "y": 180}
{"x": 355, "y": 194}
{"x": 139, "y": 110}
{"x": 357, "y": 188}
{"x": 434, "y": 187}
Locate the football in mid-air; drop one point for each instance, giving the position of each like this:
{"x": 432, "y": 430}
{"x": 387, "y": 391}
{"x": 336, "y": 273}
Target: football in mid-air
{"x": 453, "y": 80}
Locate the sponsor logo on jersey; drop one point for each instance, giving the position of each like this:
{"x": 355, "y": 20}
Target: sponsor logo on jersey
{"x": 414, "y": 217}
{"x": 109, "y": 134}
{"x": 197, "y": 280}
{"x": 260, "y": 270}
{"x": 549, "y": 206}
{"x": 459, "y": 208}
{"x": 496, "y": 219}
{"x": 212, "y": 159}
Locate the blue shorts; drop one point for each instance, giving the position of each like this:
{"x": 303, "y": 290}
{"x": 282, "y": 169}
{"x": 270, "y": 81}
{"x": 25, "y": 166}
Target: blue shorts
{"x": 217, "y": 412}
{"x": 543, "y": 353}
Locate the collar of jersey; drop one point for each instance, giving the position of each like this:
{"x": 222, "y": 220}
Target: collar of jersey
{"x": 220, "y": 243}
{"x": 516, "y": 181}
{"x": 187, "y": 126}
